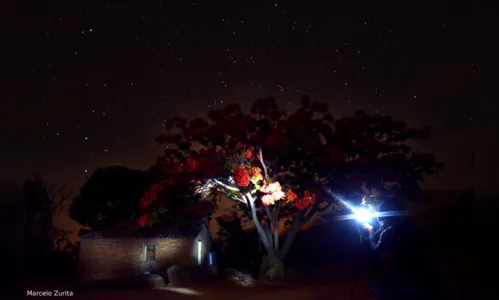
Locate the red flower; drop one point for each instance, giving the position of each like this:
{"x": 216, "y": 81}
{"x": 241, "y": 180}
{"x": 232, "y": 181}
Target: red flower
{"x": 152, "y": 190}
{"x": 309, "y": 197}
{"x": 291, "y": 196}
{"x": 167, "y": 182}
{"x": 241, "y": 176}
{"x": 143, "y": 204}
{"x": 177, "y": 168}
{"x": 303, "y": 203}
{"x": 144, "y": 220}
{"x": 248, "y": 154}
{"x": 192, "y": 164}
{"x": 256, "y": 173}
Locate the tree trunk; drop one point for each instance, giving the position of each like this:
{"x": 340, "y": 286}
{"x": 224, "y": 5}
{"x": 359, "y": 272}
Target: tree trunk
{"x": 272, "y": 268}
{"x": 293, "y": 231}
{"x": 261, "y": 231}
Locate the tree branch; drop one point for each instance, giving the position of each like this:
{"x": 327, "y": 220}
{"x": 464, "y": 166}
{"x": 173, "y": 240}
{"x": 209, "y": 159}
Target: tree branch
{"x": 328, "y": 205}
{"x": 273, "y": 221}
{"x": 291, "y": 235}
{"x": 276, "y": 170}
{"x": 268, "y": 233}
{"x": 232, "y": 188}
{"x": 56, "y": 205}
{"x": 311, "y": 212}
{"x": 276, "y": 228}
{"x": 236, "y": 198}
{"x": 258, "y": 224}
{"x": 263, "y": 163}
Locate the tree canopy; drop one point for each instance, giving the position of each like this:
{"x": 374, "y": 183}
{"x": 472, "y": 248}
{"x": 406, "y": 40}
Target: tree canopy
{"x": 279, "y": 165}
{"x": 109, "y": 195}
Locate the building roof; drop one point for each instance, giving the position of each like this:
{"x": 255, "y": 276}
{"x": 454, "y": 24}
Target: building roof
{"x": 159, "y": 230}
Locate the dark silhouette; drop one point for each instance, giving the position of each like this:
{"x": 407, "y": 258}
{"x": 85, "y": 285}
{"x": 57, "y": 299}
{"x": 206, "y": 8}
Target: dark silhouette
{"x": 41, "y": 202}
{"x": 306, "y": 151}
{"x": 240, "y": 248}
{"x": 45, "y": 252}
{"x": 109, "y": 195}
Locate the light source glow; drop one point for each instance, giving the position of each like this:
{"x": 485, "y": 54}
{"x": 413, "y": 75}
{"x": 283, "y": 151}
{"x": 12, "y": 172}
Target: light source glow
{"x": 183, "y": 291}
{"x": 363, "y": 215}
{"x": 200, "y": 248}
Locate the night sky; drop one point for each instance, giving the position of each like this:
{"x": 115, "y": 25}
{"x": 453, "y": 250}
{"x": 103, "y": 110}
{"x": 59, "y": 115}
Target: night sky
{"x": 91, "y": 82}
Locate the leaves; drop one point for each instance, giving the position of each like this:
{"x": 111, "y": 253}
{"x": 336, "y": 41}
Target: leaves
{"x": 232, "y": 109}
{"x": 264, "y": 106}
{"x": 216, "y": 115}
{"x": 303, "y": 151}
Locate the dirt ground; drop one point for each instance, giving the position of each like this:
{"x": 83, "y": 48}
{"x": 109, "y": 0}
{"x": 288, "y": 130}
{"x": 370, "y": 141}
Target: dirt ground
{"x": 335, "y": 284}
{"x": 333, "y": 290}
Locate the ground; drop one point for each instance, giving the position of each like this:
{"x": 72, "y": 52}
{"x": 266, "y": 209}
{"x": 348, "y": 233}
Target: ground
{"x": 337, "y": 287}
{"x": 334, "y": 284}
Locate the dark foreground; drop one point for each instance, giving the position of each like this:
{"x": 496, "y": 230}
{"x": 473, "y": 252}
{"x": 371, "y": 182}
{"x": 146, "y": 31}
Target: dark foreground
{"x": 332, "y": 284}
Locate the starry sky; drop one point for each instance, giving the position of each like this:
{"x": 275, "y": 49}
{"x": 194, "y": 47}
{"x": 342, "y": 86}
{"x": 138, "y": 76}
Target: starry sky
{"x": 91, "y": 82}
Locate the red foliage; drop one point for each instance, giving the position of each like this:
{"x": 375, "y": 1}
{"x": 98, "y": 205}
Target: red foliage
{"x": 167, "y": 182}
{"x": 150, "y": 194}
{"x": 276, "y": 140}
{"x": 256, "y": 174}
{"x": 240, "y": 146}
{"x": 241, "y": 176}
{"x": 291, "y": 196}
{"x": 191, "y": 164}
{"x": 248, "y": 154}
{"x": 143, "y": 204}
{"x": 144, "y": 220}
{"x": 303, "y": 203}
{"x": 177, "y": 168}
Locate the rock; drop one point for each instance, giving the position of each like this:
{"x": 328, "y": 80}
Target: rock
{"x": 239, "y": 278}
{"x": 248, "y": 280}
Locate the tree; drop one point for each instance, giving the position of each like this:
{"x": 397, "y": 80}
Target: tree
{"x": 41, "y": 202}
{"x": 277, "y": 166}
{"x": 109, "y": 195}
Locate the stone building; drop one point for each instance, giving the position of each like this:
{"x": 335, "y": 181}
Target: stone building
{"x": 126, "y": 250}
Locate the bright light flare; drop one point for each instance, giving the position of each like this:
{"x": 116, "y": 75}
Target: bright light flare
{"x": 363, "y": 215}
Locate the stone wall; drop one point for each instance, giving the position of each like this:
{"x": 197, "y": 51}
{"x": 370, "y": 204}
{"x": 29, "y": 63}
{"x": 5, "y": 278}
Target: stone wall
{"x": 122, "y": 257}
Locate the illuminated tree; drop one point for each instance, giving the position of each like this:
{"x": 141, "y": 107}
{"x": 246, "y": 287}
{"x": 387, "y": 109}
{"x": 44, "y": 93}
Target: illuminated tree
{"x": 278, "y": 167}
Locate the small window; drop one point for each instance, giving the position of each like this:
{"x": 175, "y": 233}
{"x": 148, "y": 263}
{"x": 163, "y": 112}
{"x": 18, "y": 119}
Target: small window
{"x": 150, "y": 253}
